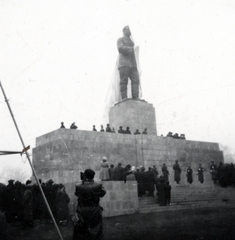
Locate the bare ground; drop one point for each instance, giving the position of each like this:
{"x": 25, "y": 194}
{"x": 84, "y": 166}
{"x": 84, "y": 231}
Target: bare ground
{"x": 206, "y": 224}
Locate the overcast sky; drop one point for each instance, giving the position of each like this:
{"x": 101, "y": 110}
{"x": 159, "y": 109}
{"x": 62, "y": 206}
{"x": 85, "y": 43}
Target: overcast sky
{"x": 58, "y": 57}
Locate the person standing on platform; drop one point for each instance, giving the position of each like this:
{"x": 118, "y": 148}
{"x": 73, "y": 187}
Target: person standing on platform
{"x": 108, "y": 128}
{"x": 140, "y": 182}
{"x": 200, "y": 171}
{"x": 73, "y": 126}
{"x": 111, "y": 173}
{"x": 101, "y": 128}
{"x": 118, "y": 172}
{"x": 177, "y": 169}
{"x": 62, "y": 125}
{"x": 189, "y": 175}
{"x": 165, "y": 173}
{"x": 155, "y": 172}
{"x": 89, "y": 210}
{"x": 104, "y": 170}
{"x": 131, "y": 175}
{"x": 149, "y": 182}
{"x": 213, "y": 171}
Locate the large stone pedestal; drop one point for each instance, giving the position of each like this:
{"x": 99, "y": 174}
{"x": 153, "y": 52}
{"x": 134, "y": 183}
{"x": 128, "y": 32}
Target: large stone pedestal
{"x": 136, "y": 114}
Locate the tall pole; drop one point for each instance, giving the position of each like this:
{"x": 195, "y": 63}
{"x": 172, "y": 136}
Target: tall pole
{"x": 31, "y": 165}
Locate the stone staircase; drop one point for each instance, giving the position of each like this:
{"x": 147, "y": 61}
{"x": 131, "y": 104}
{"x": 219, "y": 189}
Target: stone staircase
{"x": 186, "y": 196}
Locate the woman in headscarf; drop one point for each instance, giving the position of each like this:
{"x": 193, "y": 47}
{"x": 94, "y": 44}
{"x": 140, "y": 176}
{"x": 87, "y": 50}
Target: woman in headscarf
{"x": 104, "y": 170}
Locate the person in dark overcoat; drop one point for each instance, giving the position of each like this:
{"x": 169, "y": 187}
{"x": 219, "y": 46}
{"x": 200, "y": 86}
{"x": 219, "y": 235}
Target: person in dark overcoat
{"x": 165, "y": 173}
{"x": 200, "y": 171}
{"x": 155, "y": 172}
{"x": 88, "y": 208}
{"x": 161, "y": 187}
{"x": 111, "y": 173}
{"x": 50, "y": 193}
{"x": 177, "y": 170}
{"x": 28, "y": 207}
{"x": 189, "y": 175}
{"x": 3, "y": 227}
{"x": 62, "y": 209}
{"x": 118, "y": 172}
{"x": 167, "y": 194}
{"x": 213, "y": 171}
{"x": 140, "y": 182}
{"x": 149, "y": 181}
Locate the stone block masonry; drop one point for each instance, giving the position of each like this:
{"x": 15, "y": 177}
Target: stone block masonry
{"x": 136, "y": 114}
{"x": 63, "y": 153}
{"x": 120, "y": 199}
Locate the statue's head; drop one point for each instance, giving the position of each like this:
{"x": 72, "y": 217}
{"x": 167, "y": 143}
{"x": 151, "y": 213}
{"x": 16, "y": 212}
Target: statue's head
{"x": 126, "y": 31}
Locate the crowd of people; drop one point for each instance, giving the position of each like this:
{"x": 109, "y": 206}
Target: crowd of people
{"x": 223, "y": 174}
{"x": 24, "y": 202}
{"x": 176, "y": 135}
{"x": 108, "y": 129}
{"x": 148, "y": 181}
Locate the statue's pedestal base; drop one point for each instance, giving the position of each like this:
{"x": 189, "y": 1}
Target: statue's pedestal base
{"x": 135, "y": 114}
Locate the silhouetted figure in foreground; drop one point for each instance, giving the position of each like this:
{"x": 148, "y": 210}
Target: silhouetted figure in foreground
{"x": 3, "y": 227}
{"x": 136, "y": 132}
{"x": 62, "y": 125}
{"x": 89, "y": 210}
{"x": 28, "y": 206}
{"x": 73, "y": 126}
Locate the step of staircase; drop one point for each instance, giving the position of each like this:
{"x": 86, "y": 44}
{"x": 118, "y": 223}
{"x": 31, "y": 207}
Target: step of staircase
{"x": 187, "y": 197}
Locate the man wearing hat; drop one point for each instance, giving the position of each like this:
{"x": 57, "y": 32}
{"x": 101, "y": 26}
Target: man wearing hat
{"x": 120, "y": 130}
{"x": 88, "y": 209}
{"x": 104, "y": 170}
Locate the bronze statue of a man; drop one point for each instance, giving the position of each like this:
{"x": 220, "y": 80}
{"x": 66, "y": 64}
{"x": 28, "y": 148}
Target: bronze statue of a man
{"x": 127, "y": 65}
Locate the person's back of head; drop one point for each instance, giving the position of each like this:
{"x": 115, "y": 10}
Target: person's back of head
{"x": 89, "y": 174}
